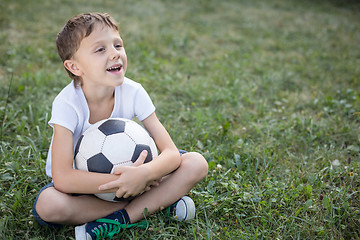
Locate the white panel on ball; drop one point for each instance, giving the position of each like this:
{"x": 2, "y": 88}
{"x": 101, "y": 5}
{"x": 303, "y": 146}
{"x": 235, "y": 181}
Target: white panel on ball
{"x": 92, "y": 144}
{"x": 138, "y": 133}
{"x": 118, "y": 148}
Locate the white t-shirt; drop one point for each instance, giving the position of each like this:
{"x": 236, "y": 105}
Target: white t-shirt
{"x": 70, "y": 109}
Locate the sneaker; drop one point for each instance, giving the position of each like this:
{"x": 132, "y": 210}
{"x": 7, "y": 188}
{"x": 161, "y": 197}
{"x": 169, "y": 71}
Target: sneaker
{"x": 182, "y": 210}
{"x": 104, "y": 228}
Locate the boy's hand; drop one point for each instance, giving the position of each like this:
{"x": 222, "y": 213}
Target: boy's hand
{"x": 132, "y": 179}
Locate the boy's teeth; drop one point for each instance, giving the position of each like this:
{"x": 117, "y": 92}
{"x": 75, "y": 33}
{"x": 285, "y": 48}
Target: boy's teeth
{"x": 113, "y": 68}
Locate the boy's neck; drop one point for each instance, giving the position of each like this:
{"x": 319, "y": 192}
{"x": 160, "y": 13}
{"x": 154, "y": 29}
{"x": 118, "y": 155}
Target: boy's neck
{"x": 98, "y": 95}
{"x": 100, "y": 104}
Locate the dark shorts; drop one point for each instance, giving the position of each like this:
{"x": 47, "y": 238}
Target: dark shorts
{"x": 55, "y": 225}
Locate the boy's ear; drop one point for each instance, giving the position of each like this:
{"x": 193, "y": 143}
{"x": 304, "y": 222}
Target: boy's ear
{"x": 72, "y": 67}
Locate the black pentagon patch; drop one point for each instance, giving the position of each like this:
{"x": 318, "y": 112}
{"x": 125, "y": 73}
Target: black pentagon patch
{"x": 123, "y": 199}
{"x": 112, "y": 126}
{"x": 99, "y": 163}
{"x": 138, "y": 149}
{"x": 78, "y": 145}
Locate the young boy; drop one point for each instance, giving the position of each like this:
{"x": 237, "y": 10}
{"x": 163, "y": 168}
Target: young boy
{"x": 93, "y": 54}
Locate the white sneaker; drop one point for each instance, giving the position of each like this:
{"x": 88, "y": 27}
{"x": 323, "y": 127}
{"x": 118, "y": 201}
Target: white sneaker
{"x": 183, "y": 209}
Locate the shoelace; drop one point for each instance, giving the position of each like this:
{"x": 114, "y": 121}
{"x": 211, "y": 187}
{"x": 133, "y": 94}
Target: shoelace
{"x": 112, "y": 227}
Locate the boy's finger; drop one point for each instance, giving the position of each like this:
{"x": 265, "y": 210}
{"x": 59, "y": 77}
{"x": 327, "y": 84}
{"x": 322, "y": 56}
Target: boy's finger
{"x": 141, "y": 158}
{"x": 119, "y": 194}
{"x": 109, "y": 185}
{"x": 118, "y": 170}
{"x": 126, "y": 195}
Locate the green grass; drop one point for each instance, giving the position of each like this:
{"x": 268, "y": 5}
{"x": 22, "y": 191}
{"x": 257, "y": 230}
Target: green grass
{"x": 267, "y": 90}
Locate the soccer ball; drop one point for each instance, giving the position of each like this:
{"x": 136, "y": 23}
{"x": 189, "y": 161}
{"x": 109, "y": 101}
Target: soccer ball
{"x": 111, "y": 143}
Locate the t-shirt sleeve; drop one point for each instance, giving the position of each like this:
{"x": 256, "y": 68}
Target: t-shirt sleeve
{"x": 144, "y": 107}
{"x": 63, "y": 114}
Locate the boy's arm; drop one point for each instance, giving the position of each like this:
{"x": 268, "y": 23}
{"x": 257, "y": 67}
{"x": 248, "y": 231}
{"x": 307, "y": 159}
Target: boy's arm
{"x": 133, "y": 180}
{"x": 69, "y": 180}
{"x": 169, "y": 157}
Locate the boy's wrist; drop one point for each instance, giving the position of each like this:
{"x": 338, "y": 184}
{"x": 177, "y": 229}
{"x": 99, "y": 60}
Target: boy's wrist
{"x": 147, "y": 172}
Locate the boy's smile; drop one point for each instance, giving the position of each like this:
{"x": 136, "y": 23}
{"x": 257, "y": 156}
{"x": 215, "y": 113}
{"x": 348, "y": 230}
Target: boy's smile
{"x": 115, "y": 68}
{"x": 101, "y": 59}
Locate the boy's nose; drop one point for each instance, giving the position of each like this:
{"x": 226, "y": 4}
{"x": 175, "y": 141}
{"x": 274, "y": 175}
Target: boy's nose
{"x": 115, "y": 54}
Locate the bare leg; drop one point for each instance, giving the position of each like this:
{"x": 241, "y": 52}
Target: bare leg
{"x": 193, "y": 168}
{"x": 57, "y": 207}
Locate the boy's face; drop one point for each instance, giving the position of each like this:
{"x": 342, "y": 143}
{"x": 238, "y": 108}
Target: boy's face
{"x": 101, "y": 58}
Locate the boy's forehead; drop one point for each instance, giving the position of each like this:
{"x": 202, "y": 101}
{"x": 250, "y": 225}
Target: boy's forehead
{"x": 98, "y": 31}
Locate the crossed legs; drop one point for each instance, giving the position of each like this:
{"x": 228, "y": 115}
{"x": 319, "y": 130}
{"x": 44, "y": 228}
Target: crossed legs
{"x": 57, "y": 207}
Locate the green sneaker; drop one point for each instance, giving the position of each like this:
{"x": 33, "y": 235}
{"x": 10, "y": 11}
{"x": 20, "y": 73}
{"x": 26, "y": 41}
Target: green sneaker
{"x": 104, "y": 227}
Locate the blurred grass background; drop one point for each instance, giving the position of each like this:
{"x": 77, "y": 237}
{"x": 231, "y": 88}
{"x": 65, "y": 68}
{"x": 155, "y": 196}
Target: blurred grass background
{"x": 268, "y": 91}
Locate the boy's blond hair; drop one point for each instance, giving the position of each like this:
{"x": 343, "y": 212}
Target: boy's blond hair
{"x": 69, "y": 38}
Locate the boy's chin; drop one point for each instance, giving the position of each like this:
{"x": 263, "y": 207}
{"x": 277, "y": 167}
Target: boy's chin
{"x": 119, "y": 82}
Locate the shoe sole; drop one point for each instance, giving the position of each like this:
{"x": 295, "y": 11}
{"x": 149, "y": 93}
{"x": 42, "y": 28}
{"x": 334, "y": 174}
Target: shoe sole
{"x": 80, "y": 233}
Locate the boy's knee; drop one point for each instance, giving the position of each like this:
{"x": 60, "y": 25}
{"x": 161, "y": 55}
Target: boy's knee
{"x": 196, "y": 164}
{"x": 51, "y": 207}
{"x": 203, "y": 165}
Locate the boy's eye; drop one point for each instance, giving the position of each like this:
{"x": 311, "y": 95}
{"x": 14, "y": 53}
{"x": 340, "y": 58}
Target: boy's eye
{"x": 118, "y": 46}
{"x": 100, "y": 49}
